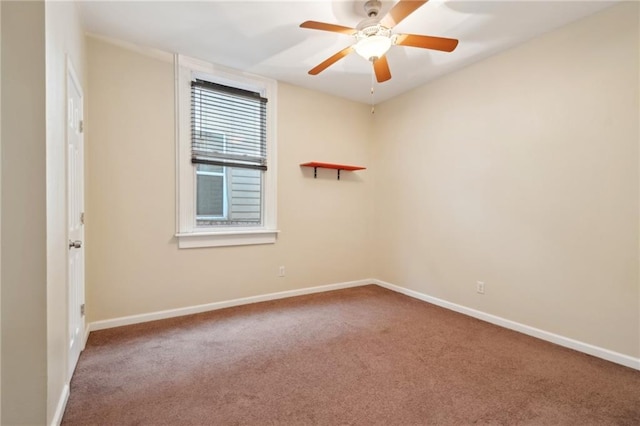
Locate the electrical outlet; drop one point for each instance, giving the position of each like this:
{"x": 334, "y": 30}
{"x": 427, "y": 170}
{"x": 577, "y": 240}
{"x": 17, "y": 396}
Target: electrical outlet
{"x": 480, "y": 287}
{"x": 281, "y": 271}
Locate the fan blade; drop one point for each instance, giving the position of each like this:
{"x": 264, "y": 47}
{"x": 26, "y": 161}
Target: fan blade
{"x": 314, "y": 25}
{"x": 427, "y": 42}
{"x": 381, "y": 67}
{"x": 401, "y": 10}
{"x": 328, "y": 62}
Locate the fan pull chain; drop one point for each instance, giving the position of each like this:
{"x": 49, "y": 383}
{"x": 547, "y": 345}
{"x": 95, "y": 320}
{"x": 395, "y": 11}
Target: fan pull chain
{"x": 373, "y": 82}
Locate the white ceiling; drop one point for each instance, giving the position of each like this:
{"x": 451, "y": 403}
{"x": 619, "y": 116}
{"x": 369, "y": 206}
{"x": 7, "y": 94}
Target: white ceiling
{"x": 263, "y": 37}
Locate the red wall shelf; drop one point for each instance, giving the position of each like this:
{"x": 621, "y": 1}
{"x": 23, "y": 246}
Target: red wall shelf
{"x": 338, "y": 167}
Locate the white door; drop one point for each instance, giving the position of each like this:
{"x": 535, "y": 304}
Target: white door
{"x": 75, "y": 212}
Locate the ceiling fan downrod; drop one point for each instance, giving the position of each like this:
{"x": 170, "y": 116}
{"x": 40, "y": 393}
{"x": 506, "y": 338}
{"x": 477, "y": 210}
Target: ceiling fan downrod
{"x": 372, "y": 8}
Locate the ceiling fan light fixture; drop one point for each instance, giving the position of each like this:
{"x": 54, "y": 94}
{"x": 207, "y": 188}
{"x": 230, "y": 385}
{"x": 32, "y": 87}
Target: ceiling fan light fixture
{"x": 373, "y": 47}
{"x": 373, "y": 42}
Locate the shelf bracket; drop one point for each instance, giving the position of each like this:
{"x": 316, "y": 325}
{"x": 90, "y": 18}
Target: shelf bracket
{"x": 315, "y": 173}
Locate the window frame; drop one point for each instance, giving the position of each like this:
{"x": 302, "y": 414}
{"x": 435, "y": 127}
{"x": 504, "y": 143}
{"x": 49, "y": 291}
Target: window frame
{"x": 187, "y": 233}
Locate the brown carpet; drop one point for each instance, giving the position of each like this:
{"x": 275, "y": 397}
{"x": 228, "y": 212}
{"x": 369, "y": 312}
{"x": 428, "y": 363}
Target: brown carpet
{"x": 361, "y": 356}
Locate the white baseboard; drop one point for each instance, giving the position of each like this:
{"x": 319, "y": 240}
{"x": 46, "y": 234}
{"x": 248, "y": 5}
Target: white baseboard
{"x": 87, "y": 330}
{"x": 62, "y": 403}
{"x": 587, "y": 348}
{"x": 171, "y": 313}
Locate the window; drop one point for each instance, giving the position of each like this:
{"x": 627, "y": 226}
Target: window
{"x": 226, "y": 156}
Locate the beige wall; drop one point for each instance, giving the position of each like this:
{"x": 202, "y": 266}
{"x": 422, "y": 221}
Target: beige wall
{"x": 134, "y": 265}
{"x": 24, "y": 256}
{"x": 64, "y": 39}
{"x": 522, "y": 171}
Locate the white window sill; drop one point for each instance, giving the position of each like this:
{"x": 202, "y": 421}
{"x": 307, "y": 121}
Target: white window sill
{"x": 226, "y": 238}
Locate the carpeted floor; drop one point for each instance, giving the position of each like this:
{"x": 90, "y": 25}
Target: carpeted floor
{"x": 361, "y": 356}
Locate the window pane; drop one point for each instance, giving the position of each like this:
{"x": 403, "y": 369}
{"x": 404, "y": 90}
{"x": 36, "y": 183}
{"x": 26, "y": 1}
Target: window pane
{"x": 210, "y": 201}
{"x": 246, "y": 195}
{"x": 243, "y": 193}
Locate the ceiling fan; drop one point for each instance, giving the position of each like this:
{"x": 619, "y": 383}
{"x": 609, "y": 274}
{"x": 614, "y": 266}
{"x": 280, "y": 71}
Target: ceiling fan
{"x": 374, "y": 37}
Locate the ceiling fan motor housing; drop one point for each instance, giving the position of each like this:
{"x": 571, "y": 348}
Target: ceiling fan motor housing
{"x": 374, "y": 29}
{"x": 371, "y": 26}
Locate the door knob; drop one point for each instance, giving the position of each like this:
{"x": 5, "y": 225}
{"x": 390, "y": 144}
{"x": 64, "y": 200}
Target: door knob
{"x": 75, "y": 244}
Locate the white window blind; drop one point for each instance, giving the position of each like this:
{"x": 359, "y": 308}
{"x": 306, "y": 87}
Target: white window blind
{"x": 238, "y": 115}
